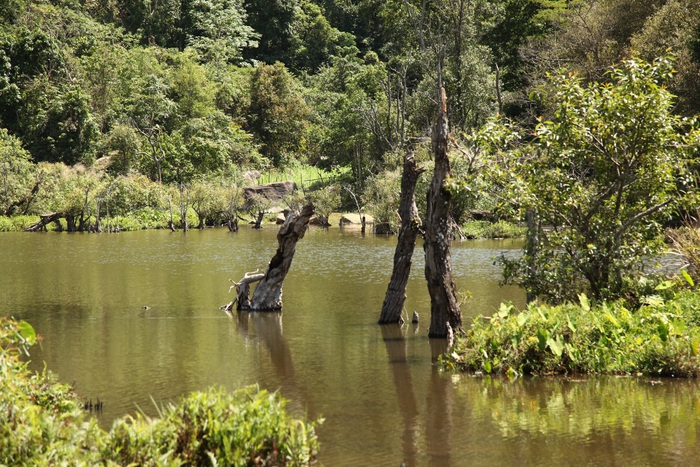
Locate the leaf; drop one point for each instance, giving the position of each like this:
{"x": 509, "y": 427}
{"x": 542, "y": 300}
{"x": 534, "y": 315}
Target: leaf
{"x": 687, "y": 277}
{"x": 504, "y": 310}
{"x": 522, "y": 319}
{"x": 664, "y": 285}
{"x": 27, "y": 332}
{"x": 570, "y": 324}
{"x": 556, "y": 346}
{"x": 663, "y": 331}
{"x": 583, "y": 300}
{"x": 487, "y": 367}
{"x": 542, "y": 338}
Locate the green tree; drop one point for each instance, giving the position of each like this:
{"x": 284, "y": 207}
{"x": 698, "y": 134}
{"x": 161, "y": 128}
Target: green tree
{"x": 219, "y": 31}
{"x": 602, "y": 177}
{"x": 16, "y": 180}
{"x": 278, "y": 114}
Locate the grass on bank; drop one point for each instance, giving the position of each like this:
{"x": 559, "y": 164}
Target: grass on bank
{"x": 660, "y": 338}
{"x": 42, "y": 423}
{"x": 495, "y": 230}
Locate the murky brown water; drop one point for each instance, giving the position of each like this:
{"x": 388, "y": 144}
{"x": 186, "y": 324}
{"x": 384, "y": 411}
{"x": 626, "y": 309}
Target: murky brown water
{"x": 383, "y": 401}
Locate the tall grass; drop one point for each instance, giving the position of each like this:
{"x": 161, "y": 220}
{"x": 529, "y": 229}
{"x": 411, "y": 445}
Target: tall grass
{"x": 305, "y": 176}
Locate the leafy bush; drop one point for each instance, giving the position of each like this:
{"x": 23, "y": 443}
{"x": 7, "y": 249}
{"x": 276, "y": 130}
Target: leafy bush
{"x": 485, "y": 229}
{"x": 661, "y": 338}
{"x": 249, "y": 427}
{"x": 42, "y": 423}
{"x": 16, "y": 223}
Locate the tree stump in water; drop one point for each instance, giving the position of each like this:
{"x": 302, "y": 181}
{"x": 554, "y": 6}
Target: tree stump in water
{"x": 267, "y": 295}
{"x": 410, "y": 226}
{"x": 445, "y": 315}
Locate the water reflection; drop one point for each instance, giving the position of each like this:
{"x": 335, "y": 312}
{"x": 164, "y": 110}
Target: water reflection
{"x": 396, "y": 348}
{"x": 614, "y": 420}
{"x": 267, "y": 328}
{"x": 438, "y": 402}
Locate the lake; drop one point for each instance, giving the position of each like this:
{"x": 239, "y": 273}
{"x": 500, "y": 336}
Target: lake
{"x": 133, "y": 319}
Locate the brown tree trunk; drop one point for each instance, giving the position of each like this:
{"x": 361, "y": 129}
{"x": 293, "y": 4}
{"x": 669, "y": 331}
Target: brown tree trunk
{"x": 445, "y": 315}
{"x": 267, "y": 295}
{"x": 410, "y": 226}
{"x": 46, "y": 219}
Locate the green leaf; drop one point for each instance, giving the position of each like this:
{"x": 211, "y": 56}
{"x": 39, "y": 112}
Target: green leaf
{"x": 27, "y": 332}
{"x": 583, "y": 300}
{"x": 556, "y": 346}
{"x": 504, "y": 310}
{"x": 542, "y": 338}
{"x": 687, "y": 277}
{"x": 664, "y": 285}
{"x": 521, "y": 319}
{"x": 487, "y": 367}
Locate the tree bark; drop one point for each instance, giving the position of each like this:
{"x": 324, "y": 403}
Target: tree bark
{"x": 46, "y": 219}
{"x": 410, "y": 226}
{"x": 445, "y": 315}
{"x": 267, "y": 295}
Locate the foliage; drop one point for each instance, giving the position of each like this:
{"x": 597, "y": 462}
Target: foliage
{"x": 42, "y": 423}
{"x": 381, "y": 198}
{"x": 247, "y": 427}
{"x": 16, "y": 188}
{"x": 16, "y": 223}
{"x": 602, "y": 177}
{"x": 661, "y": 338}
{"x": 325, "y": 200}
{"x": 486, "y": 229}
{"x": 278, "y": 113}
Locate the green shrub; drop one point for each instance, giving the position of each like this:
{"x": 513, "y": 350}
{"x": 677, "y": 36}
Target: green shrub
{"x": 42, "y": 423}
{"x": 16, "y": 223}
{"x": 486, "y": 229}
{"x": 248, "y": 427}
{"x": 662, "y": 338}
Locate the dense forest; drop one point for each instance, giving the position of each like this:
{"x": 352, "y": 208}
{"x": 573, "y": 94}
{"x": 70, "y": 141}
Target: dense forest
{"x": 145, "y": 107}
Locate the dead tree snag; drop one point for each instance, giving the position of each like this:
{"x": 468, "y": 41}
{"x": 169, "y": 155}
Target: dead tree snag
{"x": 267, "y": 295}
{"x": 410, "y": 227}
{"x": 445, "y": 315}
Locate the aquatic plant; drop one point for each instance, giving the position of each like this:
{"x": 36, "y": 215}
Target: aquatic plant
{"x": 661, "y": 337}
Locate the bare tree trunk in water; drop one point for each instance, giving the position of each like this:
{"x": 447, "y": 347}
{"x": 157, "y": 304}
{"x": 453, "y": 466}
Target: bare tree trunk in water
{"x": 410, "y": 225}
{"x": 268, "y": 293}
{"x": 445, "y": 315}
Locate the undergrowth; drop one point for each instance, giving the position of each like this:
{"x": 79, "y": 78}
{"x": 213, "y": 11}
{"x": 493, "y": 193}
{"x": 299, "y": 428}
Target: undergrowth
{"x": 42, "y": 423}
{"x": 661, "y": 337}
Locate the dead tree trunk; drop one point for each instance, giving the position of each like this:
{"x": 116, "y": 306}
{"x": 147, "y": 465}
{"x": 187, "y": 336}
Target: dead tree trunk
{"x": 410, "y": 226}
{"x": 445, "y": 315}
{"x": 46, "y": 219}
{"x": 267, "y": 295}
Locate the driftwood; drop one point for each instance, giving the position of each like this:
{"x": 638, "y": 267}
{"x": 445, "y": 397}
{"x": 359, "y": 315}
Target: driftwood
{"x": 46, "y": 219}
{"x": 267, "y": 295}
{"x": 410, "y": 227}
{"x": 445, "y": 315}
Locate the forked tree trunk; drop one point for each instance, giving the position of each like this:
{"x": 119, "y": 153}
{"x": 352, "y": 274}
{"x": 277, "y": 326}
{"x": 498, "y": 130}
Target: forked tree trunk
{"x": 445, "y": 315}
{"x": 410, "y": 226}
{"x": 267, "y": 295}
